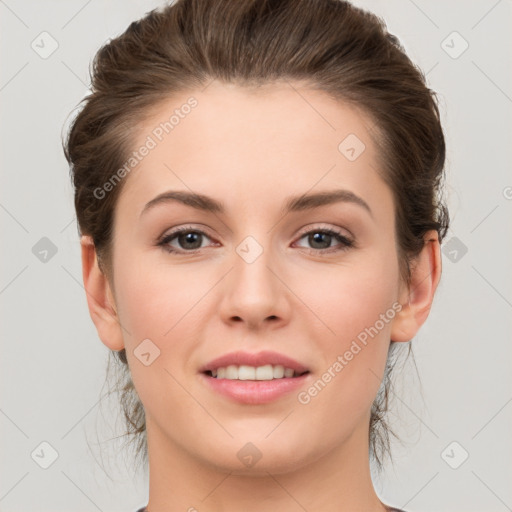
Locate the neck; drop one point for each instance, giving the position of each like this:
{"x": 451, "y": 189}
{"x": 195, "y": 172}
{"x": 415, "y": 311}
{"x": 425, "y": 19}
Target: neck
{"x": 337, "y": 481}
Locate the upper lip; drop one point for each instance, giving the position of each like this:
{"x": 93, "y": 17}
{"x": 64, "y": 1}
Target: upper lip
{"x": 257, "y": 359}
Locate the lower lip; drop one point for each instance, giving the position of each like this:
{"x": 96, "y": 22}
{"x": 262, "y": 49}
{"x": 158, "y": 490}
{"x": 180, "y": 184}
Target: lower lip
{"x": 255, "y": 391}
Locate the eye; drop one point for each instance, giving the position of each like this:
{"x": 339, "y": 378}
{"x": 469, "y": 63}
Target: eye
{"x": 190, "y": 240}
{"x": 321, "y": 240}
{"x": 187, "y": 238}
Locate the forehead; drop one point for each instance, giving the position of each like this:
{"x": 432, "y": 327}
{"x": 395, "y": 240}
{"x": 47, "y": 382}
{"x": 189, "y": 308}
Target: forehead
{"x": 273, "y": 141}
{"x": 279, "y": 115}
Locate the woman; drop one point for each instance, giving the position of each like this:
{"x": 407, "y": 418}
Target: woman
{"x": 258, "y": 192}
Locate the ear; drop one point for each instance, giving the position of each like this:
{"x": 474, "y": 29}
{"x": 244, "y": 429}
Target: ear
{"x": 100, "y": 299}
{"x": 417, "y": 299}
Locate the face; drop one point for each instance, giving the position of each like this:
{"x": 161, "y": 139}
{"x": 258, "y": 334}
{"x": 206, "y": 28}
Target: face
{"x": 289, "y": 259}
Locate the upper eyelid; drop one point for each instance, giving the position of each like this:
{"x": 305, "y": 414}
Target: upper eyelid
{"x": 337, "y": 230}
{"x": 185, "y": 228}
{"x": 205, "y": 230}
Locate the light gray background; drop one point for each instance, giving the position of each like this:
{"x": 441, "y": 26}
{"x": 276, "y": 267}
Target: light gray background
{"x": 53, "y": 364}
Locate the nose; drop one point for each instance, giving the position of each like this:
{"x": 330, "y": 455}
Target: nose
{"x": 254, "y": 293}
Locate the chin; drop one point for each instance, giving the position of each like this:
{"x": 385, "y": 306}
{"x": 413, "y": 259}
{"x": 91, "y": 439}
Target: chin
{"x": 257, "y": 456}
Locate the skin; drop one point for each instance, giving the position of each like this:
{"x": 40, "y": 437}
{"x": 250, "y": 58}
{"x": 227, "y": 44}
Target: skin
{"x": 252, "y": 150}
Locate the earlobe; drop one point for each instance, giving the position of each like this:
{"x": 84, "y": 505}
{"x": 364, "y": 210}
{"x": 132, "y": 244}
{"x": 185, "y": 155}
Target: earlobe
{"x": 100, "y": 299}
{"x": 417, "y": 299}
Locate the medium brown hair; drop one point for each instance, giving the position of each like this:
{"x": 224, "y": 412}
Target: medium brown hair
{"x": 331, "y": 45}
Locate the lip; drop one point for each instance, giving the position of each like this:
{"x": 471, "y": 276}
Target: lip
{"x": 254, "y": 392}
{"x": 257, "y": 359}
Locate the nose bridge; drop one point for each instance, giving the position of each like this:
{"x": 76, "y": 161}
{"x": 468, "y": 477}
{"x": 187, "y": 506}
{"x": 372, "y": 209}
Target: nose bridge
{"x": 252, "y": 291}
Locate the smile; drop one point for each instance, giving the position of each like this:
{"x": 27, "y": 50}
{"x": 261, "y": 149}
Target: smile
{"x": 245, "y": 372}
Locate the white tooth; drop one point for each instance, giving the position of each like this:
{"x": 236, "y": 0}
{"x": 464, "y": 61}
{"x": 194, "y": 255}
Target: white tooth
{"x": 288, "y": 372}
{"x": 264, "y": 372}
{"x": 232, "y": 372}
{"x": 246, "y": 372}
{"x": 278, "y": 371}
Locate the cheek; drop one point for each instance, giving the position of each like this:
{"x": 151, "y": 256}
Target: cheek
{"x": 356, "y": 309}
{"x": 157, "y": 304}
{"x": 351, "y": 296}
{"x": 162, "y": 304}
{"x": 155, "y": 299}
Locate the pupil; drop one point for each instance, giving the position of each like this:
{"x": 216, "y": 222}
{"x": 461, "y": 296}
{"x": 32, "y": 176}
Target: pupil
{"x": 317, "y": 238}
{"x": 191, "y": 238}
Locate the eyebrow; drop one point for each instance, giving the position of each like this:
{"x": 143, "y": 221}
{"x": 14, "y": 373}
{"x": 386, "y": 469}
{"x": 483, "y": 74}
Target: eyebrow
{"x": 293, "y": 204}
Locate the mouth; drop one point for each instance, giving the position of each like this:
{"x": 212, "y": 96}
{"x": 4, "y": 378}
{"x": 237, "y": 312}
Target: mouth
{"x": 254, "y": 378}
{"x": 257, "y": 373}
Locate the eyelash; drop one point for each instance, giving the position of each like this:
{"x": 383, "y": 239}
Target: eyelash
{"x": 345, "y": 242}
